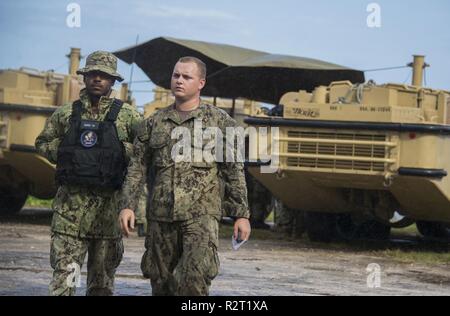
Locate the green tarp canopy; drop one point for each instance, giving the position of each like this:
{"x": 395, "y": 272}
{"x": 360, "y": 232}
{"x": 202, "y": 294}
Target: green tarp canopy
{"x": 235, "y": 72}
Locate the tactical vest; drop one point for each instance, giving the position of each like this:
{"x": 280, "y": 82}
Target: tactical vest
{"x": 91, "y": 153}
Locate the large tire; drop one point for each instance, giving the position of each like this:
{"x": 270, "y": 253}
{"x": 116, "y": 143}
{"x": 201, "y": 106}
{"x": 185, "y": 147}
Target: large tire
{"x": 403, "y": 223}
{"x": 11, "y": 202}
{"x": 320, "y": 227}
{"x": 434, "y": 229}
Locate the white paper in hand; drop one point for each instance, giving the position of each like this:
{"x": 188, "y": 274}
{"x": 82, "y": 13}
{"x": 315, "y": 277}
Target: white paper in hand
{"x": 236, "y": 244}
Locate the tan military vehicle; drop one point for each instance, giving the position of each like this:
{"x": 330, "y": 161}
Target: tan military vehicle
{"x": 27, "y": 98}
{"x": 360, "y": 159}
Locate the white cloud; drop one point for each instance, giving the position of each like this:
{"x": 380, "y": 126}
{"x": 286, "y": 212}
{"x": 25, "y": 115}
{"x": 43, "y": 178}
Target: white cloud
{"x": 179, "y": 12}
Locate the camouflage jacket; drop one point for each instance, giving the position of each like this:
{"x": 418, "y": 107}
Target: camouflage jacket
{"x": 80, "y": 211}
{"x": 179, "y": 191}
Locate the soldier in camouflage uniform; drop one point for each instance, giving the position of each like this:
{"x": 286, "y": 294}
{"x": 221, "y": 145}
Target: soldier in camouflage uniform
{"x": 85, "y": 217}
{"x": 184, "y": 196}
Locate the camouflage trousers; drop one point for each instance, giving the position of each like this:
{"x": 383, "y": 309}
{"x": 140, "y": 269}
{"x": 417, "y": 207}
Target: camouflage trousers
{"x": 181, "y": 257}
{"x": 67, "y": 255}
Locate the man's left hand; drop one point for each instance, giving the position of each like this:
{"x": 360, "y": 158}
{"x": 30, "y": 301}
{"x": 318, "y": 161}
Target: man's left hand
{"x": 242, "y": 229}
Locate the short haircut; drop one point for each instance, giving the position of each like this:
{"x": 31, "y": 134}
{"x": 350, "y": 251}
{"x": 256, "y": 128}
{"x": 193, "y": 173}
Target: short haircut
{"x": 200, "y": 64}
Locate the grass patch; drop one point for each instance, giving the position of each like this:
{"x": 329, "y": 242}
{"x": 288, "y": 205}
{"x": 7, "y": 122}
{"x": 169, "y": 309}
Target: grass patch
{"x": 409, "y": 231}
{"x": 35, "y": 202}
{"x": 270, "y": 218}
{"x": 424, "y": 257}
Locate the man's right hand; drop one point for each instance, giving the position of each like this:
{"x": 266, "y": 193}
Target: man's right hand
{"x": 126, "y": 221}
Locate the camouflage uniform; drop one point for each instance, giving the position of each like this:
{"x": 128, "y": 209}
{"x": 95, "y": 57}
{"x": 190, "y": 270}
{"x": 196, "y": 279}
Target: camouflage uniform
{"x": 85, "y": 219}
{"x": 141, "y": 218}
{"x": 184, "y": 203}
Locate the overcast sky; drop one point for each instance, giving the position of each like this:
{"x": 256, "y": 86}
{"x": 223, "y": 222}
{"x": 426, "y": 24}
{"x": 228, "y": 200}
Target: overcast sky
{"x": 35, "y": 33}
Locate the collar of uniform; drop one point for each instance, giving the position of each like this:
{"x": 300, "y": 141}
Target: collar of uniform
{"x": 103, "y": 104}
{"x": 172, "y": 114}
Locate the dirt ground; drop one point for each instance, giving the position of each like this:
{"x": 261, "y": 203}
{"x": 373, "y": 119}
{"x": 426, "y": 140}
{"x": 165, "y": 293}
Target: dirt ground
{"x": 263, "y": 267}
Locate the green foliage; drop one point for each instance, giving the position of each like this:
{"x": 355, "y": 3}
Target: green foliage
{"x": 34, "y": 202}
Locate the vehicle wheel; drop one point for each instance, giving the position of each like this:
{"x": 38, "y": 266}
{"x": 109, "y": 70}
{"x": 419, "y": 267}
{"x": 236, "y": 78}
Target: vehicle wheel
{"x": 320, "y": 227}
{"x": 401, "y": 221}
{"x": 11, "y": 202}
{"x": 433, "y": 229}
